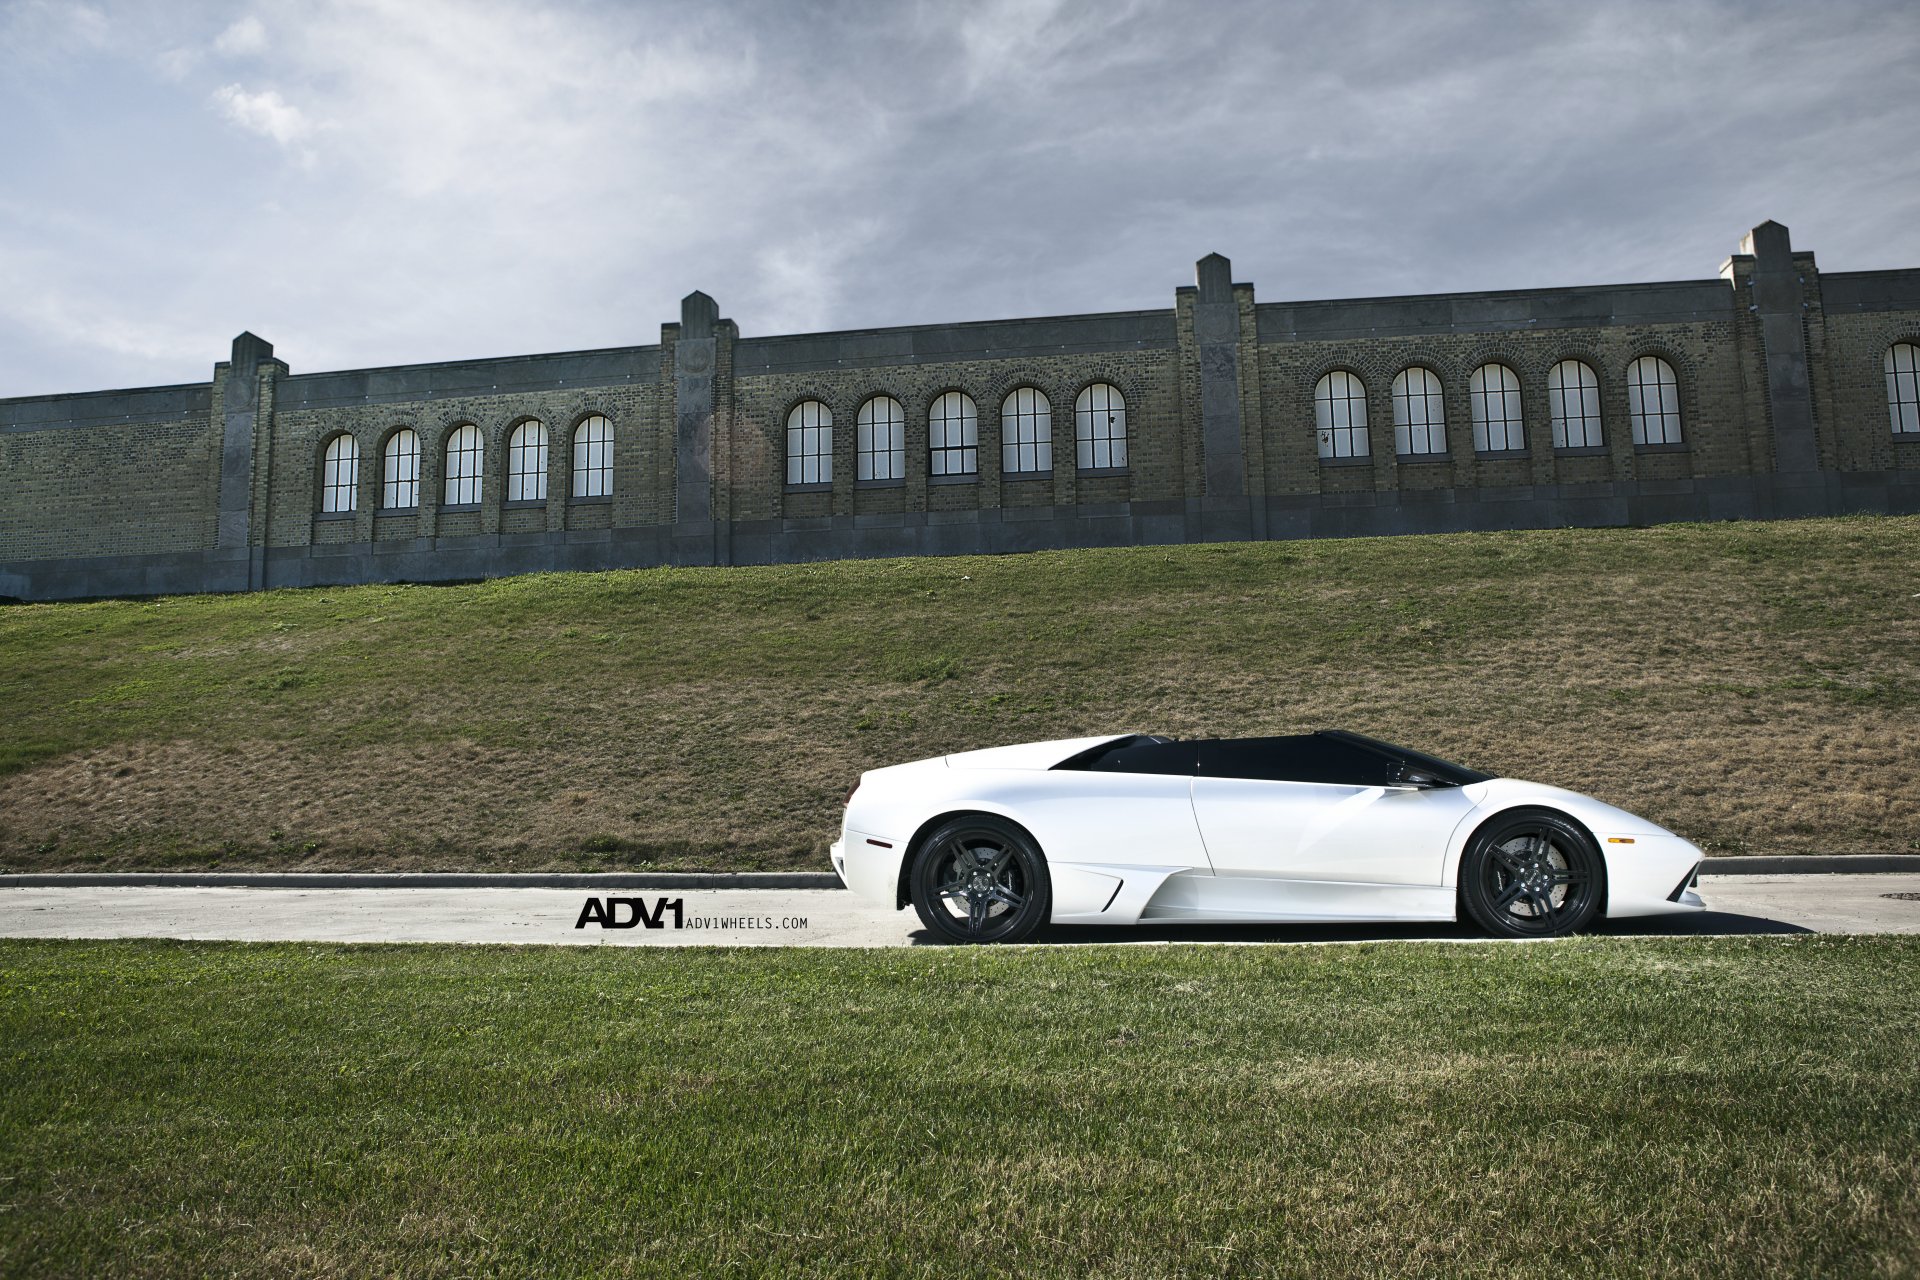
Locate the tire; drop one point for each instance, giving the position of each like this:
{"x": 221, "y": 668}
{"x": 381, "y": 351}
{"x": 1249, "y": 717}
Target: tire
{"x": 978, "y": 878}
{"x": 1532, "y": 873}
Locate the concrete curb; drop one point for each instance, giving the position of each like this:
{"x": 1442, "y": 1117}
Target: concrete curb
{"x": 1795, "y": 864}
{"x": 598, "y": 880}
{"x": 1812, "y": 864}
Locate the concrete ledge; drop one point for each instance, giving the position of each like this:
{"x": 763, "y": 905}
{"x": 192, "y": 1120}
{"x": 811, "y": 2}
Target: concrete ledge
{"x": 1812, "y": 864}
{"x": 425, "y": 880}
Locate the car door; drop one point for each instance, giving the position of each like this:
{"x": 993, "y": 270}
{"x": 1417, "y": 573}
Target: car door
{"x": 1338, "y": 818}
{"x": 1129, "y": 807}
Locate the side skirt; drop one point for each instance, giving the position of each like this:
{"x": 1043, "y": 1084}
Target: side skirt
{"x": 1258, "y": 899}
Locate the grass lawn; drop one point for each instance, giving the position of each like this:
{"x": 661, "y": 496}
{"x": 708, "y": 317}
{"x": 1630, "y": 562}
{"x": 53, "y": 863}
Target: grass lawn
{"x": 1724, "y": 1107}
{"x": 1754, "y": 686}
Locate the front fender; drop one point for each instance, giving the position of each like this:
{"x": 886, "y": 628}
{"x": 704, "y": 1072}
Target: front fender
{"x": 1646, "y": 865}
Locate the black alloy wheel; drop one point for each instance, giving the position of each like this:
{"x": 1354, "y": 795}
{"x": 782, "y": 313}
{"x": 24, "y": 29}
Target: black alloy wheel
{"x": 1532, "y": 873}
{"x": 980, "y": 879}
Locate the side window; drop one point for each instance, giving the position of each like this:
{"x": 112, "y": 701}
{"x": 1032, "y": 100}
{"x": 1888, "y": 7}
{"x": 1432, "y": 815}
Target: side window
{"x": 1306, "y": 758}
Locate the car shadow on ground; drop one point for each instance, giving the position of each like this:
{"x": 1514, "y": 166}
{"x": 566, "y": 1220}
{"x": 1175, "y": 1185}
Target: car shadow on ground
{"x": 1697, "y": 924}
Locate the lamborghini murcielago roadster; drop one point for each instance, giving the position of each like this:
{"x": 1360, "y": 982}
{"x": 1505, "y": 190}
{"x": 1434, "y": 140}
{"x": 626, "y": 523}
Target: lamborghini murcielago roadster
{"x": 1135, "y": 828}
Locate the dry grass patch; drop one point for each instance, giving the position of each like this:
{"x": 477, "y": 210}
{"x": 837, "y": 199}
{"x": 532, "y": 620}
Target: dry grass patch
{"x": 1753, "y": 686}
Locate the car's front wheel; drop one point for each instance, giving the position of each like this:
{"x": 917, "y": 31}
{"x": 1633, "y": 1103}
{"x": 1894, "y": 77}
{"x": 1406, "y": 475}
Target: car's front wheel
{"x": 980, "y": 879}
{"x": 1531, "y": 874}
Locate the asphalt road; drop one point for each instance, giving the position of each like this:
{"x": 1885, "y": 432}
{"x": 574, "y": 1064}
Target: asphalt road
{"x": 1784, "y": 904}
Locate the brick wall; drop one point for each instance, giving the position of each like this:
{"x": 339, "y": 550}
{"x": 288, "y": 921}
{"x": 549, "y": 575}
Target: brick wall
{"x": 108, "y": 489}
{"x": 109, "y": 481}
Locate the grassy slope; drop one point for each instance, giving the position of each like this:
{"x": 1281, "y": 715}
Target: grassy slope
{"x": 1755, "y": 686}
{"x": 1729, "y": 1107}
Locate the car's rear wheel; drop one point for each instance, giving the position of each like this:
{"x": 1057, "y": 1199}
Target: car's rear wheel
{"x": 1532, "y": 874}
{"x": 980, "y": 879}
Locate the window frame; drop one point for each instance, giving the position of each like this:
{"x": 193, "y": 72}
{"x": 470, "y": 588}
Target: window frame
{"x": 592, "y": 470}
{"x": 1327, "y": 426}
{"x": 394, "y": 487}
{"x": 818, "y": 459}
{"x": 333, "y": 483}
{"x": 1430, "y": 396}
{"x": 514, "y": 491}
{"x": 953, "y": 412}
{"x": 1026, "y": 424}
{"x": 1901, "y": 380}
{"x": 1593, "y": 431}
{"x": 869, "y": 451}
{"x": 1512, "y": 422}
{"x": 453, "y": 483}
{"x": 1671, "y": 420}
{"x": 1091, "y": 435}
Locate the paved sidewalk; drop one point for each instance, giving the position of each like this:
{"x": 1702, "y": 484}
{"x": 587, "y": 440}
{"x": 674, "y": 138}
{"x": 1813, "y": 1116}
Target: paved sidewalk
{"x": 832, "y": 918}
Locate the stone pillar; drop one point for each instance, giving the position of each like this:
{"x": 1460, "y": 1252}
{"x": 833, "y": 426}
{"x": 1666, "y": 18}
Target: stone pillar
{"x": 243, "y": 565}
{"x": 1216, "y": 332}
{"x": 695, "y": 361}
{"x": 1779, "y": 302}
{"x": 693, "y": 410}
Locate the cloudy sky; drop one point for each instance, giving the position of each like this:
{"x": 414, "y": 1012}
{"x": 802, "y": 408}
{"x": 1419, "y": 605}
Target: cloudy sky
{"x": 386, "y": 181}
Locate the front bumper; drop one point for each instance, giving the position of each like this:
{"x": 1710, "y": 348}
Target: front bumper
{"x": 1651, "y": 876}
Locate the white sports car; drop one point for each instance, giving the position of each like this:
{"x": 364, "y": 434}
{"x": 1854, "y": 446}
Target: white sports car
{"x": 1330, "y": 826}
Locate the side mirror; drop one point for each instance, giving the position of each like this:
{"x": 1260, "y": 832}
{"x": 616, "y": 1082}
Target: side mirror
{"x": 1418, "y": 778}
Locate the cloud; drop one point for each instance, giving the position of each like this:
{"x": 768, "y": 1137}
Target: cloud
{"x": 265, "y": 113}
{"x": 801, "y": 274}
{"x": 44, "y": 31}
{"x": 243, "y": 38}
{"x": 454, "y": 178}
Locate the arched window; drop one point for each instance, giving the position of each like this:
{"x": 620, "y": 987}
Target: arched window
{"x": 810, "y": 443}
{"x": 465, "y": 457}
{"x": 1100, "y": 428}
{"x": 340, "y": 475}
{"x": 1340, "y": 415}
{"x": 1903, "y": 387}
{"x": 527, "y": 462}
{"x": 881, "y": 436}
{"x": 1419, "y": 413}
{"x": 593, "y": 458}
{"x": 1653, "y": 401}
{"x": 1494, "y": 393}
{"x": 1026, "y": 431}
{"x": 953, "y": 435}
{"x": 1573, "y": 401}
{"x": 400, "y": 471}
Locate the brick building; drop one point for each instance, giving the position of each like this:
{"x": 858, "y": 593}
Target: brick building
{"x": 1771, "y": 391}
